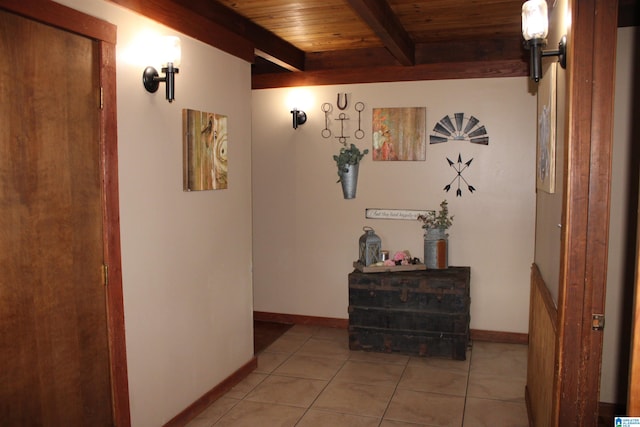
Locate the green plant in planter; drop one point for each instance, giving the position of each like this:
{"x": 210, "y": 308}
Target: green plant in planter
{"x": 348, "y": 156}
{"x": 441, "y": 220}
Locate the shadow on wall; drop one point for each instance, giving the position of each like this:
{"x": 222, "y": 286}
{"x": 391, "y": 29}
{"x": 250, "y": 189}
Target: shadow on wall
{"x": 632, "y": 231}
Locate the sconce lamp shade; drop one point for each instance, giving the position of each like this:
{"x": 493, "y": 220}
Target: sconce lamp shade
{"x": 171, "y": 51}
{"x": 535, "y": 20}
{"x": 535, "y": 28}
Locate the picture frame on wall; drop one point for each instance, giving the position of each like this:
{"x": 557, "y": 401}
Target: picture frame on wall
{"x": 204, "y": 150}
{"x": 399, "y": 133}
{"x": 546, "y": 130}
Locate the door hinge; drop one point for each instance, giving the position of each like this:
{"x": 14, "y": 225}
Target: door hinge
{"x": 597, "y": 322}
{"x": 101, "y": 97}
{"x": 105, "y": 274}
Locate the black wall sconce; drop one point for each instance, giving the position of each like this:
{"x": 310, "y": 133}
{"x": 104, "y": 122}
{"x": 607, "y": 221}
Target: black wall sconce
{"x": 299, "y": 117}
{"x": 150, "y": 77}
{"x": 535, "y": 27}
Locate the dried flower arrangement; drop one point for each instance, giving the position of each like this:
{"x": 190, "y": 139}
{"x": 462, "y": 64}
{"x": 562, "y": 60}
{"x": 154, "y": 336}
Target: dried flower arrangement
{"x": 440, "y": 220}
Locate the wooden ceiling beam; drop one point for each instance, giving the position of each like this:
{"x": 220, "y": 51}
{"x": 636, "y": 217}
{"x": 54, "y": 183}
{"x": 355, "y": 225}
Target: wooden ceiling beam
{"x": 182, "y": 19}
{"x": 350, "y": 58}
{"x": 398, "y": 73}
{"x": 266, "y": 44}
{"x": 380, "y": 17}
{"x": 425, "y": 53}
{"x": 471, "y": 50}
{"x": 277, "y": 61}
{"x": 628, "y": 13}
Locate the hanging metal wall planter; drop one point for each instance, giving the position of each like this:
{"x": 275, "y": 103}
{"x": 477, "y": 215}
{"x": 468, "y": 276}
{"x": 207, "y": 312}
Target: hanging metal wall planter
{"x": 349, "y": 181}
{"x": 348, "y": 162}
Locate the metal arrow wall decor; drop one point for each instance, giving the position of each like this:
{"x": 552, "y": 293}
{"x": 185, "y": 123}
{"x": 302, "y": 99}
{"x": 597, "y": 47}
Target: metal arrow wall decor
{"x": 459, "y": 167}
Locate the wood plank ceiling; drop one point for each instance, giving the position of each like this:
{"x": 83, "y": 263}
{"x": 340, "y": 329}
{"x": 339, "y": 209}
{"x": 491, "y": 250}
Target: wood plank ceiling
{"x": 295, "y": 42}
{"x": 342, "y": 33}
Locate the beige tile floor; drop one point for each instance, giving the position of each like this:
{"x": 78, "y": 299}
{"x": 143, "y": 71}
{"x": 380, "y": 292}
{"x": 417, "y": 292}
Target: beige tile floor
{"x": 310, "y": 378}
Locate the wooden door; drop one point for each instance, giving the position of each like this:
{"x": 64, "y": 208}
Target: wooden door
{"x": 589, "y": 134}
{"x": 53, "y": 325}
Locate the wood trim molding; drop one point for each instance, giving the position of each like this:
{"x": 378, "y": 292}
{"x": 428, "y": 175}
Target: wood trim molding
{"x": 527, "y": 401}
{"x": 51, "y": 13}
{"x": 199, "y": 27}
{"x": 600, "y": 155}
{"x": 499, "y": 337}
{"x": 440, "y": 71}
{"x": 296, "y": 319}
{"x": 628, "y": 13}
{"x": 330, "y": 322}
{"x": 212, "y": 395}
{"x": 111, "y": 236}
{"x": 608, "y": 411}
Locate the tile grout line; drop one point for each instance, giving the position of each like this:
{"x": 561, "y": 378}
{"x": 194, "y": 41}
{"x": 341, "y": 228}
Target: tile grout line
{"x": 266, "y": 374}
{"x": 353, "y": 358}
{"x": 306, "y": 411}
{"x": 395, "y": 390}
{"x": 466, "y": 390}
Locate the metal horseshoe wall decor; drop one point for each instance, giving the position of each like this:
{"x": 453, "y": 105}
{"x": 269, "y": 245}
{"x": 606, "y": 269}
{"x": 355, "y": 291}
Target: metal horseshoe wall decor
{"x": 346, "y": 102}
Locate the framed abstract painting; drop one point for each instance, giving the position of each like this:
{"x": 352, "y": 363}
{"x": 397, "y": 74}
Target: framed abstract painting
{"x": 546, "y": 135}
{"x": 399, "y": 133}
{"x": 204, "y": 150}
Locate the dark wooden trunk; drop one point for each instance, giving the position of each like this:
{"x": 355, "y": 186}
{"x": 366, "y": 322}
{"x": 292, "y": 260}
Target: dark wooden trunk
{"x": 424, "y": 313}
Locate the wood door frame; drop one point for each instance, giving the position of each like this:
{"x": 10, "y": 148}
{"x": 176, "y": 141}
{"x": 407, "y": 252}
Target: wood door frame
{"x": 633, "y": 386}
{"x": 591, "y": 59}
{"x": 104, "y": 34}
{"x": 633, "y": 395}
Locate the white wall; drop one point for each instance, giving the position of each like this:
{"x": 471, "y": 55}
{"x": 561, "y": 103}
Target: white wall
{"x": 306, "y": 235}
{"x": 186, "y": 257}
{"x": 618, "y": 221}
